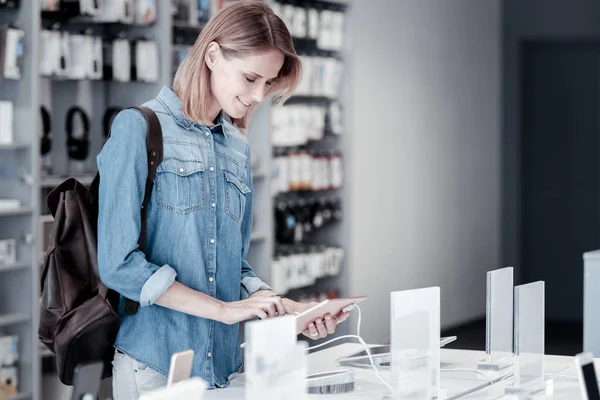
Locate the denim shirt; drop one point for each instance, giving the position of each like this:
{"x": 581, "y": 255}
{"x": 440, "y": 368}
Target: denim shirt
{"x": 199, "y": 222}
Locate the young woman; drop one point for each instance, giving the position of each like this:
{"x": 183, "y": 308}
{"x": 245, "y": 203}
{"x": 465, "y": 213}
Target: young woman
{"x": 193, "y": 282}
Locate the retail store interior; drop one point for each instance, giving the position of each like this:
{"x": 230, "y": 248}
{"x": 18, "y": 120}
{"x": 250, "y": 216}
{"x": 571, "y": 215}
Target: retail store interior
{"x": 428, "y": 143}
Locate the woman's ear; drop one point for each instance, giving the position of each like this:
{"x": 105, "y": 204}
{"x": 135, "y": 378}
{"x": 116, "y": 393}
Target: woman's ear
{"x": 213, "y": 54}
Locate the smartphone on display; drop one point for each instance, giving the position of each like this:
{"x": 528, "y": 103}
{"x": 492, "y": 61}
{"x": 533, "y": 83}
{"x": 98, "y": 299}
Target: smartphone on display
{"x": 587, "y": 376}
{"x": 87, "y": 381}
{"x": 181, "y": 367}
{"x": 331, "y": 306}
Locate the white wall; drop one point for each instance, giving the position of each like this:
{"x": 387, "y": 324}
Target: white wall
{"x": 425, "y": 154}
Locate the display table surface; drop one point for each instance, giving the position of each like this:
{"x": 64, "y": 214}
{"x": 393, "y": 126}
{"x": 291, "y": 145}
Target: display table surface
{"x": 454, "y": 384}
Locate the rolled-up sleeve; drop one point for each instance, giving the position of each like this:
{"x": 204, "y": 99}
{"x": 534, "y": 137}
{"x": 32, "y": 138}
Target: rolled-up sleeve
{"x": 123, "y": 169}
{"x": 250, "y": 282}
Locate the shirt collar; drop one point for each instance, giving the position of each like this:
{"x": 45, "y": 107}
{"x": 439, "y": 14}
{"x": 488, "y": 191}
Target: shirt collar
{"x": 172, "y": 104}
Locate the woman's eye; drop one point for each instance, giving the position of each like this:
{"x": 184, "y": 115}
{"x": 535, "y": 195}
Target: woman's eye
{"x": 250, "y": 80}
{"x": 269, "y": 83}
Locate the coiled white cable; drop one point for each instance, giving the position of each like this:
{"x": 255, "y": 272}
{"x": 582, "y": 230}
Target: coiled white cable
{"x": 372, "y": 362}
{"x": 362, "y": 342}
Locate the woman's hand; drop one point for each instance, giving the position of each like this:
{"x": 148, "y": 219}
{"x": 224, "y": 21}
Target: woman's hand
{"x": 319, "y": 328}
{"x": 254, "y": 306}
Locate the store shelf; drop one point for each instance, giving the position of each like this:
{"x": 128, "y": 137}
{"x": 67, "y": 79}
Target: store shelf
{"x": 13, "y": 319}
{"x": 14, "y": 267}
{"x": 14, "y": 146}
{"x": 16, "y": 211}
{"x": 58, "y": 17}
{"x": 53, "y": 181}
{"x": 187, "y": 26}
{"x": 311, "y": 100}
{"x": 307, "y": 194}
{"x": 259, "y": 175}
{"x": 20, "y": 396}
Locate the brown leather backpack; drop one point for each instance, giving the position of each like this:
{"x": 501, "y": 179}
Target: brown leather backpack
{"x": 78, "y": 314}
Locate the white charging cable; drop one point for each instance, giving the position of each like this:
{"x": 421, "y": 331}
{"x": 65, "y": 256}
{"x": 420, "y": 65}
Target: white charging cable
{"x": 362, "y": 342}
{"x": 467, "y": 370}
{"x": 372, "y": 362}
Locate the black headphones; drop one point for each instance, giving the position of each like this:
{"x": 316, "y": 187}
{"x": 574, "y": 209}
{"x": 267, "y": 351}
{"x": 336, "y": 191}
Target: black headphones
{"x": 78, "y": 148}
{"x": 109, "y": 117}
{"x": 46, "y": 143}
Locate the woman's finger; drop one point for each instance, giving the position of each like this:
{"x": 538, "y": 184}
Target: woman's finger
{"x": 330, "y": 324}
{"x": 312, "y": 331}
{"x": 321, "y": 328}
{"x": 260, "y": 313}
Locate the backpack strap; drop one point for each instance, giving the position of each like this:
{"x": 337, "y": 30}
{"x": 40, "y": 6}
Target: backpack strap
{"x": 154, "y": 149}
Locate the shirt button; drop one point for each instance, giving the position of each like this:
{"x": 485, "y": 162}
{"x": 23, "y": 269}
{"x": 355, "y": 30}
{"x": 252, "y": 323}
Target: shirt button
{"x": 206, "y": 133}
{"x": 212, "y": 169}
{"x": 213, "y": 205}
{"x": 210, "y": 279}
{"x": 212, "y": 240}
{"x": 209, "y": 354}
{"x": 180, "y": 169}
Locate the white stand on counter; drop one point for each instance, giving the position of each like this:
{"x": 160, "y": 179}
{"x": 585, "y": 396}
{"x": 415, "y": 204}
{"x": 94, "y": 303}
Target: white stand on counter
{"x": 498, "y": 321}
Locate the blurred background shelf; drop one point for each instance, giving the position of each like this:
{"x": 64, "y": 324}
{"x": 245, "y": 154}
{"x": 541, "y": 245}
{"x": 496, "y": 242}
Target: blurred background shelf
{"x": 14, "y": 267}
{"x": 13, "y": 319}
{"x": 16, "y": 211}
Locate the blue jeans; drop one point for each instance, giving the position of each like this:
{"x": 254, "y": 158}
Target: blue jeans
{"x": 131, "y": 378}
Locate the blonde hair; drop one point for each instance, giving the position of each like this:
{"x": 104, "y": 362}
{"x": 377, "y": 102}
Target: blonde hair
{"x": 244, "y": 28}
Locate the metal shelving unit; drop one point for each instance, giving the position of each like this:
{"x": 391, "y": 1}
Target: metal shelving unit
{"x": 19, "y": 165}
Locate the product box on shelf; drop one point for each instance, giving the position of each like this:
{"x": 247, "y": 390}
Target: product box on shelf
{"x": 6, "y": 123}
{"x": 8, "y": 382}
{"x": 9, "y": 356}
{"x": 8, "y": 252}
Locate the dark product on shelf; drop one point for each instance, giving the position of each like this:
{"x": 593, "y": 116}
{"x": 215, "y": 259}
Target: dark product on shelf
{"x": 129, "y": 12}
{"x": 10, "y": 4}
{"x": 78, "y": 139}
{"x": 46, "y": 141}
{"x": 297, "y": 219}
{"x": 73, "y": 8}
{"x": 285, "y": 223}
{"x": 11, "y": 52}
{"x": 78, "y": 146}
{"x": 109, "y": 116}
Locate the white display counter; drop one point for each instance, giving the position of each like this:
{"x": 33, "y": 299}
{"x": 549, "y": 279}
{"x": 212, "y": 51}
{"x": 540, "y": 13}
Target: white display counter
{"x": 455, "y": 384}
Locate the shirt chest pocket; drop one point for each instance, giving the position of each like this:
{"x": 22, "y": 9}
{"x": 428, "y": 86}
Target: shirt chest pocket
{"x": 235, "y": 196}
{"x": 180, "y": 185}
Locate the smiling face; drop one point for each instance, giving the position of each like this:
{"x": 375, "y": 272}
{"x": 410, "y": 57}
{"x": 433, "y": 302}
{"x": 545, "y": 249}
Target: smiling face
{"x": 237, "y": 84}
